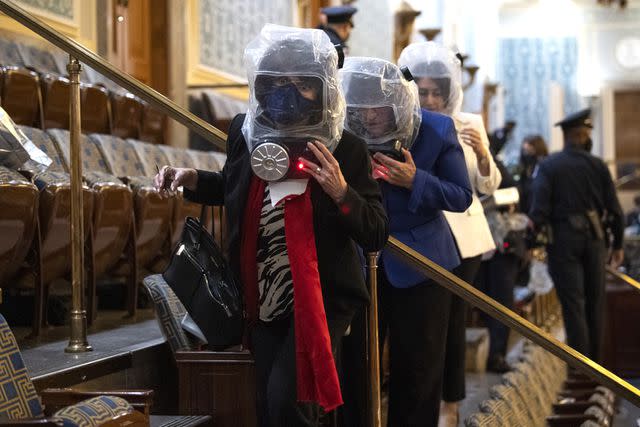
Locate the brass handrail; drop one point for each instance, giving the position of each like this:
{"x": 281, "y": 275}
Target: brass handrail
{"x": 624, "y": 277}
{"x": 437, "y": 273}
{"x": 626, "y": 179}
{"x": 84, "y": 55}
{"x": 512, "y": 320}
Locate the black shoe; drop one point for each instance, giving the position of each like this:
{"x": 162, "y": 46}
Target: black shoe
{"x": 498, "y": 364}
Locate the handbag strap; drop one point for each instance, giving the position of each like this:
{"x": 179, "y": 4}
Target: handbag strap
{"x": 202, "y": 219}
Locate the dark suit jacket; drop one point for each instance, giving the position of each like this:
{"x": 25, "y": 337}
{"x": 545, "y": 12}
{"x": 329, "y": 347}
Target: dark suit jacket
{"x": 572, "y": 182}
{"x": 360, "y": 219}
{"x": 441, "y": 183}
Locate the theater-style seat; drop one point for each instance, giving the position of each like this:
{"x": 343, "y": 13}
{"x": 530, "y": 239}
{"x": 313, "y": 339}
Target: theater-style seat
{"x": 113, "y": 202}
{"x": 20, "y": 94}
{"x": 39, "y": 59}
{"x": 20, "y": 403}
{"x": 153, "y": 212}
{"x": 9, "y": 53}
{"x": 54, "y": 217}
{"x": 152, "y": 126}
{"x": 56, "y": 92}
{"x": 96, "y": 109}
{"x": 126, "y": 112}
{"x": 170, "y": 313}
{"x": 18, "y": 217}
{"x": 152, "y": 155}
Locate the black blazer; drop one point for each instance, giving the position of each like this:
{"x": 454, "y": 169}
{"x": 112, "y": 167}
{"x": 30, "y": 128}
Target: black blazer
{"x": 360, "y": 219}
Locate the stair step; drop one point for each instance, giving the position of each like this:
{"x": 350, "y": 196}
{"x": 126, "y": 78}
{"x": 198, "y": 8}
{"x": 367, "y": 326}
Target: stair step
{"x": 180, "y": 420}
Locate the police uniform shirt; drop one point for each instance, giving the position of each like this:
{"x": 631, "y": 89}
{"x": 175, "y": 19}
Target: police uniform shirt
{"x": 573, "y": 182}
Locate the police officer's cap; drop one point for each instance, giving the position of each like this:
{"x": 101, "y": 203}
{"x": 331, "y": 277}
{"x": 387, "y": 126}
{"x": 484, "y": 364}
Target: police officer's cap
{"x": 575, "y": 120}
{"x": 339, "y": 14}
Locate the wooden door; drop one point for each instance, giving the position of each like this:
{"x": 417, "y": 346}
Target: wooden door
{"x": 627, "y": 134}
{"x": 140, "y": 40}
{"x": 138, "y": 54}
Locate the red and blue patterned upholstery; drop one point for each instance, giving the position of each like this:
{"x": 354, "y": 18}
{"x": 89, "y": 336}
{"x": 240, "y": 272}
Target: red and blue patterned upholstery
{"x": 18, "y": 398}
{"x": 93, "y": 412}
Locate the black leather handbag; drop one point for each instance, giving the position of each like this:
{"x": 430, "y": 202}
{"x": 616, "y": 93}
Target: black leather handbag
{"x": 203, "y": 281}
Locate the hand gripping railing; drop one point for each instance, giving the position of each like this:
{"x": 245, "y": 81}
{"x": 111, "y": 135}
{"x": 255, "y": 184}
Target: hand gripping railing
{"x": 512, "y": 320}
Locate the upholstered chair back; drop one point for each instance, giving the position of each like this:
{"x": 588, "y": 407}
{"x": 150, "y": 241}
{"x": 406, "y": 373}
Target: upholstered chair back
{"x": 18, "y": 398}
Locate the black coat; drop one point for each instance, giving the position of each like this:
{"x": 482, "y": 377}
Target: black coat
{"x": 360, "y": 220}
{"x": 571, "y": 182}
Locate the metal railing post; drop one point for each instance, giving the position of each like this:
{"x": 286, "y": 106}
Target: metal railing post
{"x": 78, "y": 337}
{"x": 375, "y": 410}
{"x": 507, "y": 317}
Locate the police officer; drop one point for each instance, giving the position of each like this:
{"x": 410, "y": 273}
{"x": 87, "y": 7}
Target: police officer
{"x": 339, "y": 24}
{"x": 572, "y": 194}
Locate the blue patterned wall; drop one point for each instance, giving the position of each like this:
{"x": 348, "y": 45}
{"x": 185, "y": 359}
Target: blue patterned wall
{"x": 227, "y": 26}
{"x": 63, "y": 8}
{"x": 526, "y": 66}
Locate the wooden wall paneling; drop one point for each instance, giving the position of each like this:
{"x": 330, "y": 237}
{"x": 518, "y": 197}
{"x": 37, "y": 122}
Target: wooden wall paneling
{"x": 627, "y": 133}
{"x": 622, "y": 335}
{"x": 138, "y": 61}
{"x": 220, "y": 384}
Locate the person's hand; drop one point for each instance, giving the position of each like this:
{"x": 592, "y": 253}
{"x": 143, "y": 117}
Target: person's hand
{"x": 472, "y": 138}
{"x": 617, "y": 256}
{"x": 327, "y": 173}
{"x": 169, "y": 179}
{"x": 393, "y": 171}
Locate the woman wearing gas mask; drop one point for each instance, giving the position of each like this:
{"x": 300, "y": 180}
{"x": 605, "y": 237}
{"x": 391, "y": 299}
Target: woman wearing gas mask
{"x": 420, "y": 180}
{"x": 299, "y": 197}
{"x": 437, "y": 72}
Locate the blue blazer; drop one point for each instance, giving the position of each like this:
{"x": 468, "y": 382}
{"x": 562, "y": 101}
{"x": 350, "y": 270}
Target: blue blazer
{"x": 415, "y": 216}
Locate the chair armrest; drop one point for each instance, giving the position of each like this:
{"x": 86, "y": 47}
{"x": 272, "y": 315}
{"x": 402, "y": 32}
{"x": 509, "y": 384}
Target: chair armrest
{"x": 580, "y": 384}
{"x": 57, "y": 398}
{"x": 572, "y": 408}
{"x": 39, "y": 422}
{"x": 568, "y": 420}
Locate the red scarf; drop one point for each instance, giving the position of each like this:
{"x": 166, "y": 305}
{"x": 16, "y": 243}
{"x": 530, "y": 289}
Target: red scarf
{"x": 317, "y": 378}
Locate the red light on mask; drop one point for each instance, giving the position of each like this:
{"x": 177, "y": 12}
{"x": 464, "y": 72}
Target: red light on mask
{"x": 505, "y": 245}
{"x": 300, "y": 165}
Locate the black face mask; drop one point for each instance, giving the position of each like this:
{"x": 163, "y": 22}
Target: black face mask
{"x": 286, "y": 106}
{"x": 588, "y": 145}
{"x": 528, "y": 159}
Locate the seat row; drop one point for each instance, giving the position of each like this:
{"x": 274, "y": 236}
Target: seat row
{"x": 42, "y": 100}
{"x": 35, "y": 92}
{"x": 129, "y": 227}
{"x": 540, "y": 391}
